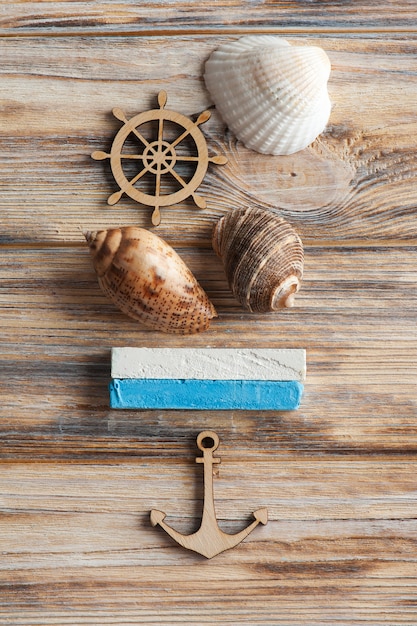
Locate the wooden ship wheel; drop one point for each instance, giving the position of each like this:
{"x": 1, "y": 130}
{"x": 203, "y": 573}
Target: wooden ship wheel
{"x": 159, "y": 157}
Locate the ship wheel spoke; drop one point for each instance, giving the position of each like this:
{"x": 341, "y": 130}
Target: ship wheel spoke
{"x": 119, "y": 114}
{"x": 140, "y": 137}
{"x": 200, "y": 202}
{"x": 180, "y": 138}
{"x": 188, "y": 158}
{"x": 131, "y": 156}
{"x": 203, "y": 117}
{"x": 160, "y": 130}
{"x": 178, "y": 178}
{"x": 158, "y": 182}
{"x": 115, "y": 197}
{"x": 138, "y": 176}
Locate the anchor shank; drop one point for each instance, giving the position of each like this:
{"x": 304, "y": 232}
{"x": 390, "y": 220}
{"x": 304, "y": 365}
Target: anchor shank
{"x": 209, "y": 513}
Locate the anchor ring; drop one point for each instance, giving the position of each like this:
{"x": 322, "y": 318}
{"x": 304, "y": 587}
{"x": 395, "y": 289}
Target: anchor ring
{"x": 208, "y": 434}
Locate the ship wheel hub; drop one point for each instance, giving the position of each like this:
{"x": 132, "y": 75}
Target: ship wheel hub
{"x": 159, "y": 157}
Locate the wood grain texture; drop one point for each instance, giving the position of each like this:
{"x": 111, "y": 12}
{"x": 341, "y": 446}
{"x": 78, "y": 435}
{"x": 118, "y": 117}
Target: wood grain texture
{"x": 77, "y": 479}
{"x": 356, "y": 182}
{"x": 151, "y": 16}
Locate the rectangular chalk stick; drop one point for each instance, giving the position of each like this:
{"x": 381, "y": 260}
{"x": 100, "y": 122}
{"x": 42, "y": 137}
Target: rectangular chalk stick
{"x": 249, "y": 395}
{"x": 209, "y": 363}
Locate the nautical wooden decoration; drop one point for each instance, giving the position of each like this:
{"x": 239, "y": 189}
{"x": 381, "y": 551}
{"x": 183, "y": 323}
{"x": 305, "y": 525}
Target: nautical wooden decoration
{"x": 207, "y": 378}
{"x": 159, "y": 157}
{"x": 209, "y": 540}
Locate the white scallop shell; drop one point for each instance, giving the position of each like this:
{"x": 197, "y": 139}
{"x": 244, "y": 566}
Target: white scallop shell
{"x": 272, "y": 95}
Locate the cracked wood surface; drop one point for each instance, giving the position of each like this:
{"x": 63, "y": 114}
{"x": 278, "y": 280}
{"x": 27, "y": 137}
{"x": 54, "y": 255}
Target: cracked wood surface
{"x": 78, "y": 480}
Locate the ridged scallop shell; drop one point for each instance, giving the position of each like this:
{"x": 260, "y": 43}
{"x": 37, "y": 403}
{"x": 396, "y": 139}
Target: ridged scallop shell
{"x": 147, "y": 280}
{"x": 272, "y": 95}
{"x": 262, "y": 256}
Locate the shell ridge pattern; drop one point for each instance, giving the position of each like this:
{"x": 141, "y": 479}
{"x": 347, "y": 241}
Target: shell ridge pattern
{"x": 272, "y": 95}
{"x": 262, "y": 257}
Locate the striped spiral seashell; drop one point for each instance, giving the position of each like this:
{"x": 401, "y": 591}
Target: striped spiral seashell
{"x": 272, "y": 95}
{"x": 147, "y": 280}
{"x": 262, "y": 257}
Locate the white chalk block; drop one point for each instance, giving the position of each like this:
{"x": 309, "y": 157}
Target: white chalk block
{"x": 209, "y": 363}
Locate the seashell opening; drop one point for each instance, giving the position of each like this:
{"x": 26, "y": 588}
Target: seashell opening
{"x": 272, "y": 95}
{"x": 262, "y": 256}
{"x": 284, "y": 295}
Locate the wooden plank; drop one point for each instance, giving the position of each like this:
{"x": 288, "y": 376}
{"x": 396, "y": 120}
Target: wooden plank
{"x": 70, "y": 427}
{"x": 360, "y": 391}
{"x": 115, "y": 563}
{"x": 356, "y": 184}
{"x": 95, "y": 595}
{"x": 356, "y": 490}
{"x": 349, "y": 299}
{"x": 152, "y": 16}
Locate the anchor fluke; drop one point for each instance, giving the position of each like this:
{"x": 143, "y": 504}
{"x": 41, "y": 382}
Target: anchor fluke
{"x": 157, "y": 517}
{"x": 261, "y": 515}
{"x": 209, "y": 540}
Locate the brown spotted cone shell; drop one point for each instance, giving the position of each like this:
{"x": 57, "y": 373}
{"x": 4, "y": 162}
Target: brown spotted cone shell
{"x": 262, "y": 256}
{"x": 147, "y": 280}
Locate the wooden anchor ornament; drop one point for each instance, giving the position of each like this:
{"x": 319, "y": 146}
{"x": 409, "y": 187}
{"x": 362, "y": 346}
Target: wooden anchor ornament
{"x": 159, "y": 157}
{"x": 209, "y": 540}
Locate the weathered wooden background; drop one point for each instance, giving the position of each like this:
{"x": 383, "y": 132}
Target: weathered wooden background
{"x": 77, "y": 480}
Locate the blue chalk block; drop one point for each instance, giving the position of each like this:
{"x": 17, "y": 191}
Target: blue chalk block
{"x": 247, "y": 395}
